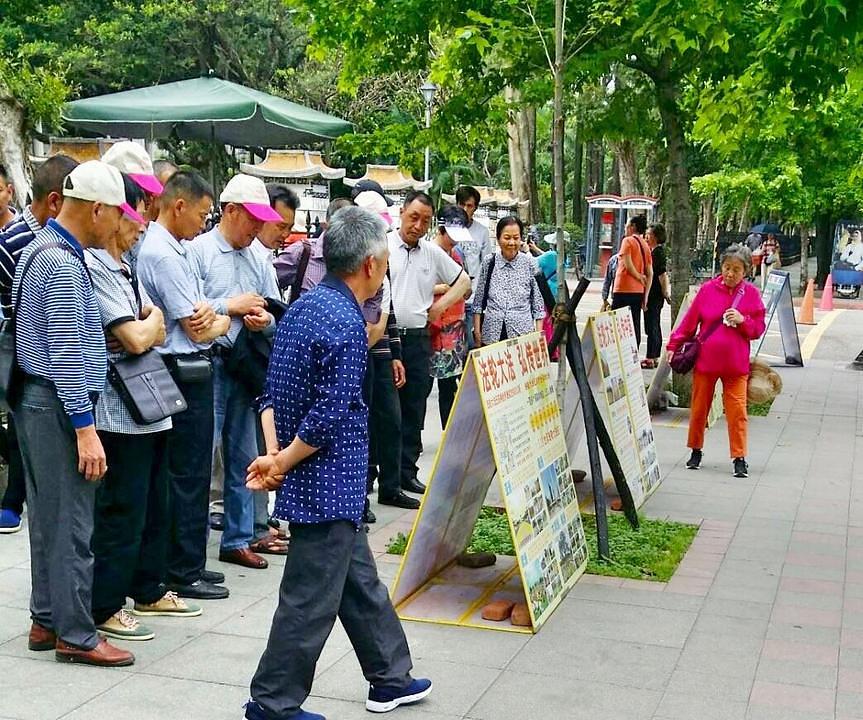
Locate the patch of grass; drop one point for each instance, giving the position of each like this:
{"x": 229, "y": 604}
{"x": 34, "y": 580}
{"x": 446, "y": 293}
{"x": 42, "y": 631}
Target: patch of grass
{"x": 759, "y": 409}
{"x": 652, "y": 552}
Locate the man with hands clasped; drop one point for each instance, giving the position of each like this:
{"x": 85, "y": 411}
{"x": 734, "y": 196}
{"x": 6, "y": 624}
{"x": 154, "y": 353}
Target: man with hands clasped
{"x": 192, "y": 324}
{"x": 236, "y": 282}
{"x": 315, "y": 425}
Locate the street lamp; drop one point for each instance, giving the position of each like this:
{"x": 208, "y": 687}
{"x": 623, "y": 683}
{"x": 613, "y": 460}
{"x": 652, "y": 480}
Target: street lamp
{"x": 428, "y": 90}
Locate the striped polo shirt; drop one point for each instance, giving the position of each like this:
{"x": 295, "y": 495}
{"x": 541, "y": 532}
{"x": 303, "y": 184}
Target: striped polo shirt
{"x": 17, "y": 235}
{"x": 58, "y": 330}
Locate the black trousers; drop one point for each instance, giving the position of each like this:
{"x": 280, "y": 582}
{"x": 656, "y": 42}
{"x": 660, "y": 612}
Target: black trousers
{"x": 329, "y": 573}
{"x": 16, "y": 489}
{"x": 633, "y": 301}
{"x": 446, "y": 390}
{"x": 190, "y": 465}
{"x": 416, "y": 357}
{"x": 385, "y": 420}
{"x": 653, "y": 329}
{"x": 130, "y": 534}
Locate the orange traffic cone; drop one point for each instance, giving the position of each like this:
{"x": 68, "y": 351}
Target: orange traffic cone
{"x": 807, "y": 309}
{"x": 827, "y": 294}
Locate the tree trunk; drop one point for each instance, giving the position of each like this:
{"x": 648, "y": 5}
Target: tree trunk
{"x": 557, "y": 148}
{"x": 823, "y": 248}
{"x": 579, "y": 215}
{"x": 521, "y": 144}
{"x": 680, "y": 218}
{"x": 613, "y": 186}
{"x": 803, "y": 229}
{"x": 743, "y": 225}
{"x": 627, "y": 166}
{"x": 14, "y": 153}
{"x": 595, "y": 161}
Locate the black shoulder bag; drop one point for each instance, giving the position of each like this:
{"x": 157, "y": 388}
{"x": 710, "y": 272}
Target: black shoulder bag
{"x": 9, "y": 372}
{"x": 485, "y": 290}
{"x": 143, "y": 381}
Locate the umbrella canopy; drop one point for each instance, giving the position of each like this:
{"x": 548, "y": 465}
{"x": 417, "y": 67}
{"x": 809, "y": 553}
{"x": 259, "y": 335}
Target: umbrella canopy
{"x": 205, "y": 108}
{"x": 766, "y": 228}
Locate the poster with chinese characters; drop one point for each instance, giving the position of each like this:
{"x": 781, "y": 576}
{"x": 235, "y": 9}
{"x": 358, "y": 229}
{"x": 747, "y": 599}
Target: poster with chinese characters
{"x": 505, "y": 422}
{"x": 625, "y": 400}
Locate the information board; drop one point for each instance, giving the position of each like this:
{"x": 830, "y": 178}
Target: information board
{"x": 625, "y": 401}
{"x": 777, "y": 299}
{"x": 505, "y": 421}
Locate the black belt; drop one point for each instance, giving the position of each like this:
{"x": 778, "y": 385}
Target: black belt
{"x": 46, "y": 383}
{"x": 415, "y": 332}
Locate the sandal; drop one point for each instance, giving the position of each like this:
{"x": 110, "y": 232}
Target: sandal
{"x": 648, "y": 364}
{"x": 279, "y": 534}
{"x": 270, "y": 546}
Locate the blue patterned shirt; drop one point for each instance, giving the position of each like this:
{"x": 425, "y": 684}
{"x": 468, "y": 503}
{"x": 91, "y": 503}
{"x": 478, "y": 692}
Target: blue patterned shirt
{"x": 314, "y": 385}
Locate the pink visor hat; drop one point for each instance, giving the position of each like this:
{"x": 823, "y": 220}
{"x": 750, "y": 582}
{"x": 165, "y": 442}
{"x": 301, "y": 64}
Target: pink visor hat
{"x": 149, "y": 183}
{"x": 132, "y": 214}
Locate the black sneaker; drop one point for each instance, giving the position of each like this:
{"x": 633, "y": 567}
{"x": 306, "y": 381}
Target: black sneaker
{"x": 741, "y": 469}
{"x": 400, "y": 500}
{"x": 694, "y": 462}
{"x": 369, "y": 518}
{"x": 200, "y": 590}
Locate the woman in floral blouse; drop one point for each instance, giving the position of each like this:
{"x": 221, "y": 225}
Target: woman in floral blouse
{"x": 506, "y": 293}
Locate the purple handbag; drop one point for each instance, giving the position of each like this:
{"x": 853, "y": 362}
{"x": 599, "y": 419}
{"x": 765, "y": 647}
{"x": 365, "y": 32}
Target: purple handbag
{"x": 686, "y": 355}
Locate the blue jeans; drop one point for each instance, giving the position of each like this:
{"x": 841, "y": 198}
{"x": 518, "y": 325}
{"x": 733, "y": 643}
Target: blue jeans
{"x": 234, "y": 430}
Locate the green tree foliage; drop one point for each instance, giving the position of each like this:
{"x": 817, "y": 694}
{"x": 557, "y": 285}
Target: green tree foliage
{"x": 108, "y": 45}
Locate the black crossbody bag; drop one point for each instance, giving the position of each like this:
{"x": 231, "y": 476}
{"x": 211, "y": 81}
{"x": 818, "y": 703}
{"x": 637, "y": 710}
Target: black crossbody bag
{"x": 9, "y": 371}
{"x": 144, "y": 383}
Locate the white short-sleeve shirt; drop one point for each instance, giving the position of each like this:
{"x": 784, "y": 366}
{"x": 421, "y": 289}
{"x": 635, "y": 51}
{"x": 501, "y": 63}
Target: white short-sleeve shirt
{"x": 414, "y": 272}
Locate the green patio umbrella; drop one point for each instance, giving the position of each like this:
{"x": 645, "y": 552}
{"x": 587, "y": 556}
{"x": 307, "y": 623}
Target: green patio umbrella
{"x": 205, "y": 108}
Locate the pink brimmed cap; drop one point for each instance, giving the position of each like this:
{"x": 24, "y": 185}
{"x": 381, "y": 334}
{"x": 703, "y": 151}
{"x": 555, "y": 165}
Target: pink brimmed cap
{"x": 251, "y": 193}
{"x": 129, "y": 157}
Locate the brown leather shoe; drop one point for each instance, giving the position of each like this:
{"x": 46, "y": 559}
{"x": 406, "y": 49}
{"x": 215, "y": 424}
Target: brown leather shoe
{"x": 243, "y": 556}
{"x": 103, "y": 655}
{"x": 41, "y": 638}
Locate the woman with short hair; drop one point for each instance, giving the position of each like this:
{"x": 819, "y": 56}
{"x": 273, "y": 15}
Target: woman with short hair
{"x": 659, "y": 294}
{"x": 508, "y": 302}
{"x": 727, "y": 314}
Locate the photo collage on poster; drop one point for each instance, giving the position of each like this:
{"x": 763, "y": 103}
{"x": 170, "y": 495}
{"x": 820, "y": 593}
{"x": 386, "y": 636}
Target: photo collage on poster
{"x": 626, "y": 400}
{"x": 527, "y": 436}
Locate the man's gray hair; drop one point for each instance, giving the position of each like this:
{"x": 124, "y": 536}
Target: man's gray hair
{"x": 737, "y": 252}
{"x": 353, "y": 235}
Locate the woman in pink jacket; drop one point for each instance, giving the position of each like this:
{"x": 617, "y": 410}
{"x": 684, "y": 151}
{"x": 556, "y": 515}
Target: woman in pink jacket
{"x": 729, "y": 311}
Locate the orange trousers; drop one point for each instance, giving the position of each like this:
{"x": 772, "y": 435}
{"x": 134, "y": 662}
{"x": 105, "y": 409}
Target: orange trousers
{"x": 734, "y": 402}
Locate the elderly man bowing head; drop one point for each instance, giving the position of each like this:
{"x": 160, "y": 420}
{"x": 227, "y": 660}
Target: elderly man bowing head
{"x": 315, "y": 424}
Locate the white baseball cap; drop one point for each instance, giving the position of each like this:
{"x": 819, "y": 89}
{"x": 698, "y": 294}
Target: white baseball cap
{"x": 374, "y": 201}
{"x": 96, "y": 181}
{"x": 129, "y": 157}
{"x": 251, "y": 193}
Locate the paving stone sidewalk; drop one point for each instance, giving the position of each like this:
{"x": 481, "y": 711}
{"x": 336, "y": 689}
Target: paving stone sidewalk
{"x": 763, "y": 621}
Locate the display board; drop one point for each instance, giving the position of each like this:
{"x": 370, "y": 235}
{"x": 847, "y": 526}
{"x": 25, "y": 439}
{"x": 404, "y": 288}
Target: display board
{"x": 777, "y": 300}
{"x": 625, "y": 401}
{"x": 505, "y": 422}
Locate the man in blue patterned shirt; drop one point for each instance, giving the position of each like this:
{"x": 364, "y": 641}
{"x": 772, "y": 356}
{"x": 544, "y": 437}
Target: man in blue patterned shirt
{"x": 315, "y": 425}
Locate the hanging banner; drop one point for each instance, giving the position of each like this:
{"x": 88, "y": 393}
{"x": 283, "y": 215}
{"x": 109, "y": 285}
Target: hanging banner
{"x": 505, "y": 421}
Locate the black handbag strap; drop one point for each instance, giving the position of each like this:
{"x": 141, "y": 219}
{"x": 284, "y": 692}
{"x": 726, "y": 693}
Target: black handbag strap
{"x": 487, "y": 285}
{"x": 52, "y": 244}
{"x": 297, "y": 285}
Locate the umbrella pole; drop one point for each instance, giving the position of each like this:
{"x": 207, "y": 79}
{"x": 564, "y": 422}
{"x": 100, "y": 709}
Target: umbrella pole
{"x": 213, "y": 159}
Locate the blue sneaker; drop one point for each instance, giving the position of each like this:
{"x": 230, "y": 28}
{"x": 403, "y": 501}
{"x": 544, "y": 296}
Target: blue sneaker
{"x": 256, "y": 712}
{"x": 10, "y": 522}
{"x": 384, "y": 699}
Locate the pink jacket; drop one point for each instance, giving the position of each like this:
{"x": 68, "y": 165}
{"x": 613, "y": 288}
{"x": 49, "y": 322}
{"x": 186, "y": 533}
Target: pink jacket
{"x": 726, "y": 351}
